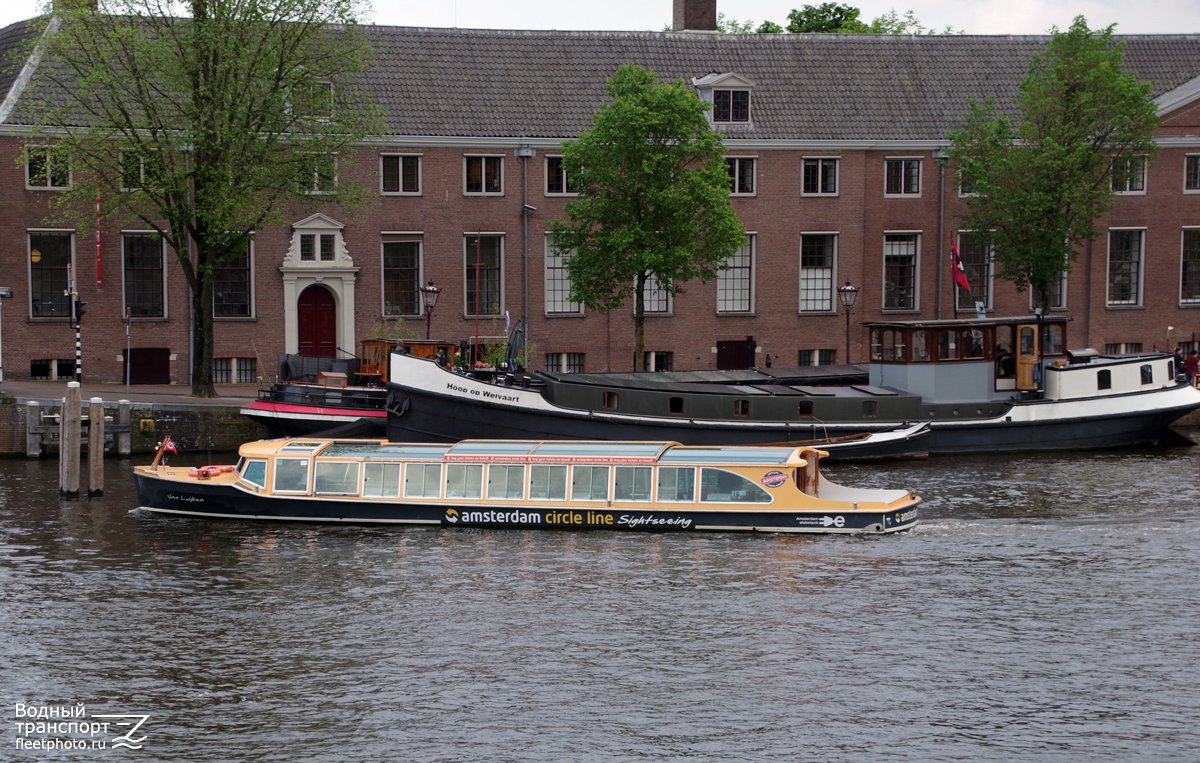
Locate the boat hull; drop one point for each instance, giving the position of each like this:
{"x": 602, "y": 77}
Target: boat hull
{"x": 199, "y": 499}
{"x": 293, "y": 409}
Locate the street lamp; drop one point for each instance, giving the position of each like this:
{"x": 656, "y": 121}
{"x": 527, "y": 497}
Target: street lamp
{"x": 847, "y": 294}
{"x": 429, "y": 295}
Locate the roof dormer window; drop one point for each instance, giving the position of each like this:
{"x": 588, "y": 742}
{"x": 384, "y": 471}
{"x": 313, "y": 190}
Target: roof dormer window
{"x": 729, "y": 95}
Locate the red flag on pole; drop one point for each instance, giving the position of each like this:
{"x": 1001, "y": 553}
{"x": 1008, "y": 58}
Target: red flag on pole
{"x": 170, "y": 445}
{"x": 960, "y": 275}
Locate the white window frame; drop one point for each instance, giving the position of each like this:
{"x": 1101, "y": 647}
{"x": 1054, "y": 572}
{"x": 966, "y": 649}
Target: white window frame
{"x": 1182, "y": 237}
{"x": 166, "y": 313}
{"x": 566, "y": 180}
{"x": 313, "y": 83}
{"x": 308, "y": 475}
{"x": 989, "y": 270}
{"x": 400, "y": 157}
{"x": 916, "y": 307}
{"x": 736, "y": 175}
{"x": 29, "y": 186}
{"x": 1195, "y": 159}
{"x": 314, "y": 189}
{"x": 381, "y": 465}
{"x": 401, "y": 237}
{"x": 1141, "y": 271}
{"x": 833, "y": 305}
{"x": 439, "y": 481}
{"x": 1142, "y": 175}
{"x": 253, "y": 308}
{"x": 467, "y": 158}
{"x": 652, "y": 286}
{"x": 1062, "y": 295}
{"x": 837, "y": 172}
{"x": 29, "y": 273}
{"x": 920, "y": 160}
{"x": 724, "y": 282}
{"x": 467, "y": 265}
{"x": 731, "y": 90}
{"x": 564, "y": 279}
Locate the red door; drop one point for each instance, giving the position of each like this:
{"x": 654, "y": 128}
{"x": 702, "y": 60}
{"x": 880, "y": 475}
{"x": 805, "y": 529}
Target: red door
{"x": 317, "y": 322}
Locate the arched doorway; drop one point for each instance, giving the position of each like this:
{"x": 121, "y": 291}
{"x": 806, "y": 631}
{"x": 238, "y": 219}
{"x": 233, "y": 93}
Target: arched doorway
{"x": 316, "y": 322}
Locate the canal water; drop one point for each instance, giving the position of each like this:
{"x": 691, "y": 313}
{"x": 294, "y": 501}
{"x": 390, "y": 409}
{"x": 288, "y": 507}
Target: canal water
{"x": 1046, "y": 610}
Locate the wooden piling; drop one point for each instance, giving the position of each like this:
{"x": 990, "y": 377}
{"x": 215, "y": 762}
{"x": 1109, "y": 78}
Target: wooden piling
{"x": 124, "y": 441}
{"x": 69, "y": 441}
{"x": 96, "y": 446}
{"x": 33, "y": 435}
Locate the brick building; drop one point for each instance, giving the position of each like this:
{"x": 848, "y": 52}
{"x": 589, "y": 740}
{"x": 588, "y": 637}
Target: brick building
{"x": 833, "y": 143}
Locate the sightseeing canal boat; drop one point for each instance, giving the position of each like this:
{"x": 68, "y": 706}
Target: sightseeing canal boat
{"x": 554, "y": 485}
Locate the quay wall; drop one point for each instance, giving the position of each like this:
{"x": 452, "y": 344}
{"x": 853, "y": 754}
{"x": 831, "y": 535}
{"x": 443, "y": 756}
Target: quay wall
{"x": 193, "y": 428}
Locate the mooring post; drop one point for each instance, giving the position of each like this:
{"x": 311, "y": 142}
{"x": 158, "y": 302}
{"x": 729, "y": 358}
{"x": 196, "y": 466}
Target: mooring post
{"x": 124, "y": 446}
{"x": 33, "y": 437}
{"x": 95, "y": 446}
{"x": 69, "y": 440}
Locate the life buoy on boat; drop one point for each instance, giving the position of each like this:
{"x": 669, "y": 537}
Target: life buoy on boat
{"x": 208, "y": 472}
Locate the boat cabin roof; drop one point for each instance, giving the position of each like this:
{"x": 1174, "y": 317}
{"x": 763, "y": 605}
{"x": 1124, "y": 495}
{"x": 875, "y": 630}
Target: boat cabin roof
{"x": 531, "y": 451}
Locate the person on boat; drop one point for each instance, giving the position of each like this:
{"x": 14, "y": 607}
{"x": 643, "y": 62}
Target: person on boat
{"x": 1178, "y": 361}
{"x": 1190, "y": 366}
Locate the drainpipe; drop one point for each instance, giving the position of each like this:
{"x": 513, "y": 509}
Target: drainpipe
{"x": 940, "y": 157}
{"x": 525, "y": 152}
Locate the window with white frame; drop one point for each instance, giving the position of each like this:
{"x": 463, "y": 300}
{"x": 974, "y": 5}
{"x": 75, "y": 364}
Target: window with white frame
{"x": 233, "y": 370}
{"x": 483, "y": 175}
{"x": 976, "y": 257}
{"x": 145, "y": 284}
{"x": 816, "y": 357}
{"x": 557, "y": 182}
{"x": 313, "y": 98}
{"x": 400, "y": 174}
{"x": 900, "y": 253}
{"x": 565, "y": 362}
{"x": 558, "y": 283}
{"x": 49, "y": 263}
{"x": 47, "y": 168}
{"x": 1189, "y": 276}
{"x": 1058, "y": 294}
{"x": 735, "y": 284}
{"x": 318, "y": 245}
{"x": 1129, "y": 175}
{"x": 820, "y": 176}
{"x": 656, "y": 300}
{"x": 140, "y": 170}
{"x": 402, "y": 275}
{"x": 741, "y": 175}
{"x": 658, "y": 360}
{"x": 902, "y": 177}
{"x": 818, "y": 256}
{"x": 317, "y": 174}
{"x": 233, "y": 282}
{"x": 731, "y": 106}
{"x": 483, "y": 260}
{"x": 1125, "y": 256}
{"x": 1191, "y": 173}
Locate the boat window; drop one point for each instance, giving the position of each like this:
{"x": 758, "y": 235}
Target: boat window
{"x": 423, "y": 481}
{"x": 947, "y": 345}
{"x": 506, "y": 481}
{"x": 335, "y": 478}
{"x": 741, "y": 407}
{"x": 804, "y": 408}
{"x": 547, "y": 482}
{"x": 676, "y": 484}
{"x": 1052, "y": 340}
{"x": 1104, "y": 379}
{"x": 611, "y": 400}
{"x": 870, "y": 409}
{"x": 1028, "y": 345}
{"x": 464, "y": 481}
{"x": 291, "y": 475}
{"x": 972, "y": 343}
{"x": 920, "y": 345}
{"x": 720, "y": 486}
{"x": 675, "y": 405}
{"x": 240, "y": 463}
{"x": 1147, "y": 374}
{"x": 300, "y": 447}
{"x": 889, "y": 352}
{"x": 1005, "y": 364}
{"x": 631, "y": 483}
{"x": 589, "y": 483}
{"x": 381, "y": 480}
{"x": 876, "y": 350}
{"x": 255, "y": 472}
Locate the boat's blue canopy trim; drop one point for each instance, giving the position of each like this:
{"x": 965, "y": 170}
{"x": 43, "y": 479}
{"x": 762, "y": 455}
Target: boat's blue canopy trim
{"x": 693, "y": 455}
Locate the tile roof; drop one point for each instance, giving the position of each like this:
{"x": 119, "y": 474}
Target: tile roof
{"x": 484, "y": 83}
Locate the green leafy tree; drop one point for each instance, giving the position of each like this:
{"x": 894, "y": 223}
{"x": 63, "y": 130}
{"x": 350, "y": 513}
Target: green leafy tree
{"x": 769, "y": 27}
{"x": 205, "y": 121}
{"x": 726, "y": 25}
{"x": 826, "y": 17}
{"x": 1040, "y": 182}
{"x": 653, "y": 198}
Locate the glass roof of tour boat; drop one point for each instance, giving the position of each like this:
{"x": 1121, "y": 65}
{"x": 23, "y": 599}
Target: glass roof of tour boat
{"x": 354, "y": 449}
{"x": 754, "y": 455}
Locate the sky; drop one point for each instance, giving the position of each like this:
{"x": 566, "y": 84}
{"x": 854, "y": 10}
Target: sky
{"x": 969, "y": 16}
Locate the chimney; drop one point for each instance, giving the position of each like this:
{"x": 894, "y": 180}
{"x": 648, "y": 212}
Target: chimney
{"x": 695, "y": 16}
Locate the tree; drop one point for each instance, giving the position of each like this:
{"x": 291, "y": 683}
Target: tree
{"x": 726, "y": 25}
{"x": 826, "y": 17}
{"x": 653, "y": 198}
{"x": 1040, "y": 183}
{"x": 204, "y": 121}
